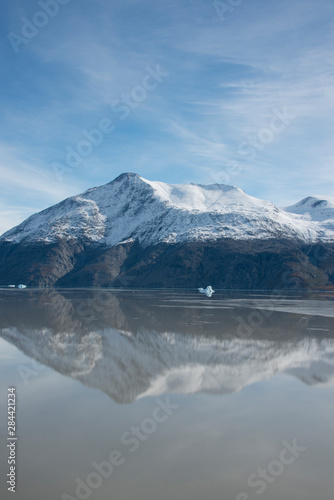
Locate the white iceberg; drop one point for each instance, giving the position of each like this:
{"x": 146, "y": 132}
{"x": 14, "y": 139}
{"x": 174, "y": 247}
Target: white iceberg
{"x": 208, "y": 291}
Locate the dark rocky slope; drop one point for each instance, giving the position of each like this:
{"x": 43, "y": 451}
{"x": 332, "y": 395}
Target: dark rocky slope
{"x": 229, "y": 264}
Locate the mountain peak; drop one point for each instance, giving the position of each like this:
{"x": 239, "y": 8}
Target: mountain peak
{"x": 169, "y": 235}
{"x": 151, "y": 212}
{"x": 126, "y": 176}
{"x": 315, "y": 208}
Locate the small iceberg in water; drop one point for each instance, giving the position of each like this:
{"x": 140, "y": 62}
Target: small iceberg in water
{"x": 208, "y": 291}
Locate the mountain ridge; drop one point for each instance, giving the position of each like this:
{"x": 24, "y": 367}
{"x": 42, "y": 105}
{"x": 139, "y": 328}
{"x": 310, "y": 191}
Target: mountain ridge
{"x": 154, "y": 212}
{"x": 140, "y": 233}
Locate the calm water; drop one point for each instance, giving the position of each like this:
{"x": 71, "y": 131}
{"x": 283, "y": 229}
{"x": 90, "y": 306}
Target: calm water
{"x": 165, "y": 395}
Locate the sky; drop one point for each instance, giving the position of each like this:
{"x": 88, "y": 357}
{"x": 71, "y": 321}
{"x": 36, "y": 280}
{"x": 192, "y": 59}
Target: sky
{"x": 238, "y": 92}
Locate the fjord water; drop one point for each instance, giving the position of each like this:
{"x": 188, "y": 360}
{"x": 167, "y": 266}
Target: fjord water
{"x": 169, "y": 395}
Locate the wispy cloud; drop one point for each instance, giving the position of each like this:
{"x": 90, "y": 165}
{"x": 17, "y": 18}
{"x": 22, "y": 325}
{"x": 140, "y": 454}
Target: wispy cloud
{"x": 25, "y": 188}
{"x": 226, "y": 78}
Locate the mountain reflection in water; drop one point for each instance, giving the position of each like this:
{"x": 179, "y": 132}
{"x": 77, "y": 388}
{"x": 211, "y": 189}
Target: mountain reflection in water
{"x": 145, "y": 343}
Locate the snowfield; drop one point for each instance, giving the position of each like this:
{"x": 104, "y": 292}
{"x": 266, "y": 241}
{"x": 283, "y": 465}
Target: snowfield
{"x": 133, "y": 208}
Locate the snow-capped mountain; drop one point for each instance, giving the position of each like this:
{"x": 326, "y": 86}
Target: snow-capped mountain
{"x": 133, "y": 208}
{"x": 135, "y": 232}
{"x": 316, "y": 208}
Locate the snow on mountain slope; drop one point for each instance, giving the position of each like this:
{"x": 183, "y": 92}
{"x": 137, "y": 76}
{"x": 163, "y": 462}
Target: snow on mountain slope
{"x": 316, "y": 208}
{"x": 131, "y": 207}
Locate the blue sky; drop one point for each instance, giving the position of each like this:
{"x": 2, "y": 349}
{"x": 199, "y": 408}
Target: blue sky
{"x": 241, "y": 97}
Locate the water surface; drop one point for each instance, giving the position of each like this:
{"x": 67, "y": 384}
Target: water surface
{"x": 188, "y": 396}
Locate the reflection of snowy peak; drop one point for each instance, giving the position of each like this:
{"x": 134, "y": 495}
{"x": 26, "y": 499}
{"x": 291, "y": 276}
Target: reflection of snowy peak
{"x": 128, "y": 365}
{"x": 132, "y": 208}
